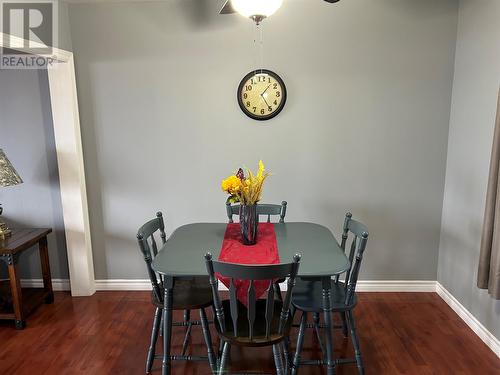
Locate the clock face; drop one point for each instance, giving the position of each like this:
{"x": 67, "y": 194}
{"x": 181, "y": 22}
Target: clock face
{"x": 261, "y": 94}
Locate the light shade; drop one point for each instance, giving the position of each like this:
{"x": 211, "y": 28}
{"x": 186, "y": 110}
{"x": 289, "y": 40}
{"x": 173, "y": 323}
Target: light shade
{"x": 256, "y": 8}
{"x": 8, "y": 175}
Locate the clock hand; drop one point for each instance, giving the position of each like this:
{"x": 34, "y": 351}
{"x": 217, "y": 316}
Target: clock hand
{"x": 265, "y": 90}
{"x": 265, "y": 101}
{"x": 262, "y": 96}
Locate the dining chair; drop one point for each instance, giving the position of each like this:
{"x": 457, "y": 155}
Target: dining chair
{"x": 262, "y": 209}
{"x": 262, "y": 322}
{"x": 188, "y": 294}
{"x": 308, "y": 298}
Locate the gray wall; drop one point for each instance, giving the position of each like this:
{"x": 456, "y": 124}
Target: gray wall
{"x": 365, "y": 127}
{"x": 475, "y": 90}
{"x": 26, "y": 135}
{"x": 64, "y": 34}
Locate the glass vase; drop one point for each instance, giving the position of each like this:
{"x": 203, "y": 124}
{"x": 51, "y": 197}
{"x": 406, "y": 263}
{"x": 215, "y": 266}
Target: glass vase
{"x": 249, "y": 221}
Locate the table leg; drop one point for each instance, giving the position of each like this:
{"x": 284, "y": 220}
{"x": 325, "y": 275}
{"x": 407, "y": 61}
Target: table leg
{"x": 17, "y": 295}
{"x": 167, "y": 326}
{"x": 44, "y": 260}
{"x": 327, "y": 311}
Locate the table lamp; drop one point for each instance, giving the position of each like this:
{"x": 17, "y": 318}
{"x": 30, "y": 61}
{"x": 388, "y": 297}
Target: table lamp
{"x": 8, "y": 177}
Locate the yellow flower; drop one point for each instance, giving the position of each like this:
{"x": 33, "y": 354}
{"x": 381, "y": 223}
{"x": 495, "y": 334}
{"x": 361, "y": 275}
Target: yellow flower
{"x": 260, "y": 174}
{"x": 245, "y": 189}
{"x": 231, "y": 185}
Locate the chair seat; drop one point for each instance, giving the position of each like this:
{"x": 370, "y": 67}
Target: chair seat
{"x": 259, "y": 335}
{"x": 308, "y": 296}
{"x": 188, "y": 294}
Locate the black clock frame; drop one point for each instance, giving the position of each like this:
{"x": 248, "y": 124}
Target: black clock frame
{"x": 283, "y": 94}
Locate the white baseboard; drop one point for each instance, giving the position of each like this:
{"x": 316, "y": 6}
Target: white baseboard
{"x": 57, "y": 284}
{"x": 396, "y": 286}
{"x": 123, "y": 284}
{"x": 363, "y": 286}
{"x": 488, "y": 338}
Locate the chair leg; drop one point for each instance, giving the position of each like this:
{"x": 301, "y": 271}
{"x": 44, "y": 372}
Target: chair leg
{"x": 221, "y": 347}
{"x": 154, "y": 338}
{"x": 286, "y": 354}
{"x": 189, "y": 326}
{"x": 355, "y": 342}
{"x": 185, "y": 343}
{"x": 345, "y": 331}
{"x": 293, "y": 310}
{"x": 316, "y": 329}
{"x": 278, "y": 359}
{"x": 224, "y": 358}
{"x": 300, "y": 343}
{"x": 208, "y": 340}
{"x": 161, "y": 326}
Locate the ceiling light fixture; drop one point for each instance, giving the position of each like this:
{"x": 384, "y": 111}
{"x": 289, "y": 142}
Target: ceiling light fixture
{"x": 257, "y": 10}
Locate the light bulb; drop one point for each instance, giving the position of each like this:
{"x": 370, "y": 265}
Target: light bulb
{"x": 256, "y": 8}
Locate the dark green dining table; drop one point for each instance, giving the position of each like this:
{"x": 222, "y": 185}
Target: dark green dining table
{"x": 183, "y": 256}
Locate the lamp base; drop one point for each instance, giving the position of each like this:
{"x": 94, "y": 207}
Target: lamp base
{"x": 4, "y": 231}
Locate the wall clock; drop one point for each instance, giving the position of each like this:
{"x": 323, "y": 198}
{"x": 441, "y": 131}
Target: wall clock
{"x": 261, "y": 94}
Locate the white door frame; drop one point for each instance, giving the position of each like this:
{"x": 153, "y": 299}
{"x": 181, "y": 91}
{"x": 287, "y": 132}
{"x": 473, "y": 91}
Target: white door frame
{"x": 66, "y": 122}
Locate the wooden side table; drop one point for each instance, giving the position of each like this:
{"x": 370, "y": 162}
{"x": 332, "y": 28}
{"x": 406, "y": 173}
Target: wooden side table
{"x": 24, "y": 301}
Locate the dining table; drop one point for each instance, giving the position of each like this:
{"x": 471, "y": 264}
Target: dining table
{"x": 183, "y": 256}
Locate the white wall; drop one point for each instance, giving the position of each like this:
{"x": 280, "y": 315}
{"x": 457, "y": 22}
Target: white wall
{"x": 475, "y": 92}
{"x": 365, "y": 127}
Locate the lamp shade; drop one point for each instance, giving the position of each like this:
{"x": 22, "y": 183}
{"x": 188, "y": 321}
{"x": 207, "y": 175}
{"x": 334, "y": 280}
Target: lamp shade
{"x": 256, "y": 8}
{"x": 8, "y": 175}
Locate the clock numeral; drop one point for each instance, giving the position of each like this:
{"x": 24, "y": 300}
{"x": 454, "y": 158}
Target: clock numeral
{"x": 278, "y": 94}
{"x": 270, "y": 109}
{"x": 262, "y": 111}
{"x": 248, "y": 104}
{"x": 245, "y": 95}
{"x": 253, "y": 83}
{"x": 248, "y": 88}
{"x": 275, "y": 102}
{"x": 275, "y": 86}
{"x": 254, "y": 109}
{"x": 268, "y": 79}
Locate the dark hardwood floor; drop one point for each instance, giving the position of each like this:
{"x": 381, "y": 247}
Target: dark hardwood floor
{"x": 108, "y": 333}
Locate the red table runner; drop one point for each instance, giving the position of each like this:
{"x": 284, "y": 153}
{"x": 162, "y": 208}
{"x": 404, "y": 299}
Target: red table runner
{"x": 265, "y": 251}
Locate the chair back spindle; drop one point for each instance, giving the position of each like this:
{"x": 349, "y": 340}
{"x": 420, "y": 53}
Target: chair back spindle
{"x": 153, "y": 246}
{"x": 234, "y": 306}
{"x": 251, "y": 309}
{"x": 269, "y": 308}
{"x": 219, "y": 312}
{"x": 288, "y": 297}
{"x": 252, "y": 273}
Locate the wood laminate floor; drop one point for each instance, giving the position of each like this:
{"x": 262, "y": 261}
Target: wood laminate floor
{"x": 108, "y": 333}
